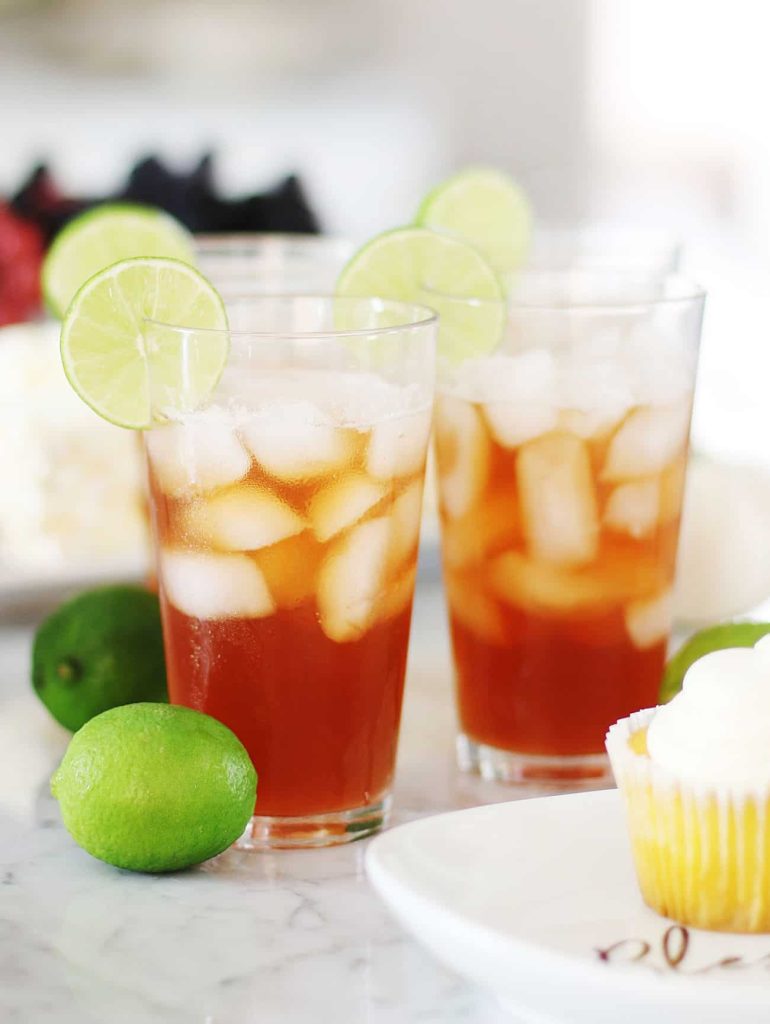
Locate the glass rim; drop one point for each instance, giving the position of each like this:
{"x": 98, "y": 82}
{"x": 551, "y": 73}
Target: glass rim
{"x": 224, "y": 241}
{"x": 691, "y": 292}
{"x": 609, "y": 230}
{"x": 421, "y": 316}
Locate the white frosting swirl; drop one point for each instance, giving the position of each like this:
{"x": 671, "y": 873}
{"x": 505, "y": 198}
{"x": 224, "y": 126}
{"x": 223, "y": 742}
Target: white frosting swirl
{"x": 717, "y": 730}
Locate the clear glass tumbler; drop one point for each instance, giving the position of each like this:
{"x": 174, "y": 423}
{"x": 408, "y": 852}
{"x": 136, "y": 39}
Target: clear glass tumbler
{"x": 286, "y": 513}
{"x": 561, "y": 458}
{"x": 609, "y": 248}
{"x": 272, "y": 264}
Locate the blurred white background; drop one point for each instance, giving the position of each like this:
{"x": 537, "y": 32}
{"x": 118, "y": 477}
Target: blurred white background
{"x": 634, "y": 111}
{"x": 630, "y": 109}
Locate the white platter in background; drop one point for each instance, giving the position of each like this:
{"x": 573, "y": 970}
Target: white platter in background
{"x": 27, "y": 591}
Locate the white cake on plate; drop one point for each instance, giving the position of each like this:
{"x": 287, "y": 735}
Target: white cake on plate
{"x": 71, "y": 484}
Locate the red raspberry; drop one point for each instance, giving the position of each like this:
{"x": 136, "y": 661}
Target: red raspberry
{"x": 21, "y": 256}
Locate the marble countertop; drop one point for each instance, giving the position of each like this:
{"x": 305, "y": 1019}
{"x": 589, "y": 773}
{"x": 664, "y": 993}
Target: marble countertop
{"x": 296, "y": 937}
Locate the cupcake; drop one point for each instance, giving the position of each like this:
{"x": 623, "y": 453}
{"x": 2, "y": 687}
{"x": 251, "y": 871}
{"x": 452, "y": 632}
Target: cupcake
{"x": 694, "y": 775}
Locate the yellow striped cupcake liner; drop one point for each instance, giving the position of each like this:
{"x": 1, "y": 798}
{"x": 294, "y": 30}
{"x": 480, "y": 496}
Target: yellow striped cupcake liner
{"x": 702, "y": 855}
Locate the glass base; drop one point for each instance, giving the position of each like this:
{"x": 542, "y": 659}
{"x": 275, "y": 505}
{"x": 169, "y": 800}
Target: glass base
{"x": 314, "y": 830}
{"x": 584, "y": 771}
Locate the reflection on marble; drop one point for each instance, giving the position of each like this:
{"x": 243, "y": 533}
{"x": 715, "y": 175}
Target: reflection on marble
{"x": 296, "y": 937}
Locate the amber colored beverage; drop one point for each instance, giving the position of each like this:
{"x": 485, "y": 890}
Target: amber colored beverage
{"x": 286, "y": 463}
{"x": 559, "y": 543}
{"x": 287, "y": 554}
{"x": 559, "y": 569}
{"x": 561, "y": 453}
{"x": 323, "y": 748}
{"x": 305, "y": 659}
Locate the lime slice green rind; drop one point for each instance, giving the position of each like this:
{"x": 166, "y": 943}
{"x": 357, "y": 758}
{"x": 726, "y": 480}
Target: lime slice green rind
{"x": 715, "y": 638}
{"x": 103, "y": 236}
{"x": 417, "y": 265}
{"x": 401, "y": 263}
{"x": 121, "y": 356}
{"x": 486, "y": 208}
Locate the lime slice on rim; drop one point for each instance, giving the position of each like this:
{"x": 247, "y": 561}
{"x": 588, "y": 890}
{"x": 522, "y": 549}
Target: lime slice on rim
{"x": 103, "y": 236}
{"x": 486, "y": 208}
{"x": 421, "y": 266}
{"x": 715, "y": 638}
{"x": 119, "y": 364}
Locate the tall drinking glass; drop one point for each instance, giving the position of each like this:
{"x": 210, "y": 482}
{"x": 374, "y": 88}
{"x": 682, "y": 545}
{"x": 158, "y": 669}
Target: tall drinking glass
{"x": 272, "y": 264}
{"x": 604, "y": 248}
{"x": 561, "y": 458}
{"x": 286, "y": 512}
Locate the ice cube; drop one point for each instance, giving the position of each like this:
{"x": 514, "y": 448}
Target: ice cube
{"x": 558, "y": 504}
{"x": 341, "y": 504}
{"x": 242, "y": 519}
{"x": 660, "y": 366}
{"x": 513, "y": 423}
{"x": 397, "y": 595}
{"x": 397, "y": 447}
{"x": 351, "y": 580}
{"x": 347, "y": 399}
{"x": 633, "y": 508}
{"x": 647, "y": 441}
{"x": 208, "y": 586}
{"x": 359, "y": 399}
{"x": 504, "y": 378}
{"x": 540, "y": 586}
{"x": 594, "y": 396}
{"x": 291, "y": 569}
{"x": 296, "y": 441}
{"x": 405, "y": 520}
{"x": 474, "y": 609}
{"x": 490, "y": 528}
{"x": 620, "y": 575}
{"x": 462, "y": 454}
{"x": 672, "y": 481}
{"x": 199, "y": 454}
{"x": 518, "y": 394}
{"x": 649, "y": 622}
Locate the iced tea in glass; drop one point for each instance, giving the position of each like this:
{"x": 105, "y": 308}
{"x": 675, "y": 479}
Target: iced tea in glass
{"x": 286, "y": 515}
{"x": 561, "y": 458}
{"x": 241, "y": 265}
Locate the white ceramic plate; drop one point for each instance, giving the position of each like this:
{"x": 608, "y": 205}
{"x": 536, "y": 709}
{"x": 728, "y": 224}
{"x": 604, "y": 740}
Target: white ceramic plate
{"x": 537, "y": 901}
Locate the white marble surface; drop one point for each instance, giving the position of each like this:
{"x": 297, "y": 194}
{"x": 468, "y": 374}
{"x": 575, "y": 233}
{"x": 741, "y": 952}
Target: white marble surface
{"x": 290, "y": 937}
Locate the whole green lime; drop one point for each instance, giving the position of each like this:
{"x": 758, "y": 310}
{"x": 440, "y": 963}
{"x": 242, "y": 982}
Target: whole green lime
{"x": 155, "y": 787}
{"x": 715, "y": 638}
{"x": 100, "y": 650}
